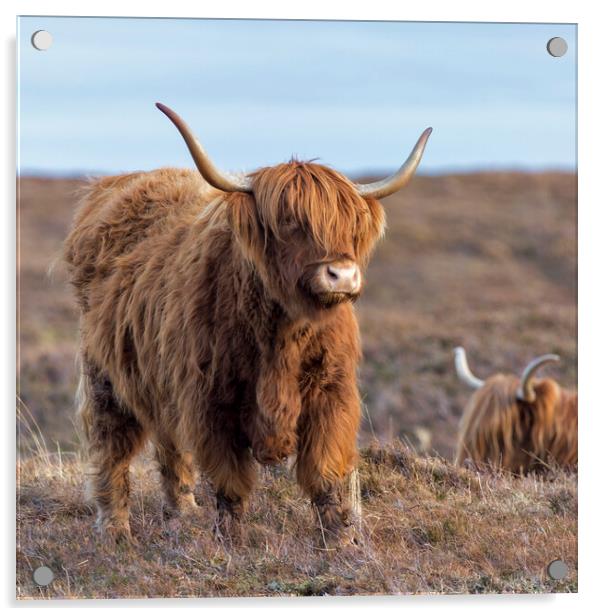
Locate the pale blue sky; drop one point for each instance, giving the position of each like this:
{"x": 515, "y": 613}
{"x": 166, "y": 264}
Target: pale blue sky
{"x": 354, "y": 94}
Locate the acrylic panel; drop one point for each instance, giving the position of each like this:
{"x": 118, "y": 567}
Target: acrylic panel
{"x": 327, "y": 352}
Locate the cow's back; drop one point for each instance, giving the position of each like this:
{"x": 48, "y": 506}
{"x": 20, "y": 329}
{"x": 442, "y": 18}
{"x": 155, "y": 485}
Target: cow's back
{"x": 120, "y": 213}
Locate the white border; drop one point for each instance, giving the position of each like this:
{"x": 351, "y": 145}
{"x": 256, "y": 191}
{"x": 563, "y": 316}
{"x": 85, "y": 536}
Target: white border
{"x": 590, "y": 261}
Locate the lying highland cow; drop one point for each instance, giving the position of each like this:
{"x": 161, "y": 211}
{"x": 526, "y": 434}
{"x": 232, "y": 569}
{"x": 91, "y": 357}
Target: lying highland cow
{"x": 519, "y": 424}
{"x": 217, "y": 322}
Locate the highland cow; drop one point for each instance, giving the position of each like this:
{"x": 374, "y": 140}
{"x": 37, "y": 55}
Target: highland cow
{"x": 518, "y": 424}
{"x": 217, "y": 323}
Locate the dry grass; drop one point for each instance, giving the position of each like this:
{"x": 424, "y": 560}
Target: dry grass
{"x": 427, "y": 528}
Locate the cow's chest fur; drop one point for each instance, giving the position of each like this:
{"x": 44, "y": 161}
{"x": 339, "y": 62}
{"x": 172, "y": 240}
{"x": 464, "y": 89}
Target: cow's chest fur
{"x": 284, "y": 359}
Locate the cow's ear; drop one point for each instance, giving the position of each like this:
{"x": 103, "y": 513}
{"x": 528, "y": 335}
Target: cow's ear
{"x": 245, "y": 223}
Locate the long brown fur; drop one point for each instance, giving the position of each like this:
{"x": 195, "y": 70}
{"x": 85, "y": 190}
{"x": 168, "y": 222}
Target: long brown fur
{"x": 198, "y": 333}
{"x": 501, "y": 431}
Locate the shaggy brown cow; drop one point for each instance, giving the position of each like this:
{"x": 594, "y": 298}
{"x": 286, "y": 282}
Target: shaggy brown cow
{"x": 519, "y": 424}
{"x": 217, "y": 322}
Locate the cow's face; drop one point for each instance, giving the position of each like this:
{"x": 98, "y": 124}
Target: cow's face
{"x": 309, "y": 233}
{"x": 306, "y": 228}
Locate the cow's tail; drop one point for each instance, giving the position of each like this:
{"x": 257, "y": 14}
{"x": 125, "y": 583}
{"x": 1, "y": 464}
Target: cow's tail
{"x": 83, "y": 421}
{"x": 83, "y": 402}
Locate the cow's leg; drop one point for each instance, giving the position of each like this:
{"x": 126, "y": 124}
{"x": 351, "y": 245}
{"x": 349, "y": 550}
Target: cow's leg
{"x": 113, "y": 436}
{"x": 328, "y": 451}
{"x": 226, "y": 458}
{"x": 177, "y": 477}
{"x": 273, "y": 429}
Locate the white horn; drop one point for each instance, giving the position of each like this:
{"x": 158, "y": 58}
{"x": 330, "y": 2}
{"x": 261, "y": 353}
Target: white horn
{"x": 464, "y": 372}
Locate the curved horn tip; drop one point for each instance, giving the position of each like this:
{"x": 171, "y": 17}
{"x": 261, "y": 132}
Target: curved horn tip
{"x": 391, "y": 184}
{"x": 211, "y": 174}
{"x": 545, "y": 359}
{"x": 459, "y": 353}
{"x": 426, "y": 133}
{"x": 463, "y": 370}
{"x": 525, "y": 391}
{"x": 170, "y": 113}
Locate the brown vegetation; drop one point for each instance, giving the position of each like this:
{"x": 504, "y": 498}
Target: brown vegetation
{"x": 427, "y": 527}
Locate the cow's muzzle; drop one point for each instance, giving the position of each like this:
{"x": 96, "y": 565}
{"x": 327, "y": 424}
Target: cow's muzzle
{"x": 338, "y": 277}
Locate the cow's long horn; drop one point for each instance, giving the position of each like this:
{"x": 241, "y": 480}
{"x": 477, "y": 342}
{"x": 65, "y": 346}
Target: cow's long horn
{"x": 386, "y": 187}
{"x": 525, "y": 391}
{"x": 207, "y": 169}
{"x": 463, "y": 371}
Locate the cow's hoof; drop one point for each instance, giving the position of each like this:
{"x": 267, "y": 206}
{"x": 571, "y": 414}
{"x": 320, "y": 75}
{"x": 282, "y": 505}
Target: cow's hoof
{"x": 269, "y": 458}
{"x": 116, "y": 535}
{"x": 184, "y": 507}
{"x": 349, "y": 537}
{"x": 342, "y": 538}
{"x": 272, "y": 450}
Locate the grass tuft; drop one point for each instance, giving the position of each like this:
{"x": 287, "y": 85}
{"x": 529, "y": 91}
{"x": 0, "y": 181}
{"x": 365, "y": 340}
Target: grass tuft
{"x": 427, "y": 527}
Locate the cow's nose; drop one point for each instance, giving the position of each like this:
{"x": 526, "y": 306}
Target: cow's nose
{"x": 343, "y": 278}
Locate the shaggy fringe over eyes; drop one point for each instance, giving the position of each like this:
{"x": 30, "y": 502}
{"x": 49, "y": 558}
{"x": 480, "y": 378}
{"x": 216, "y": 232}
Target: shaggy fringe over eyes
{"x": 324, "y": 203}
{"x": 499, "y": 430}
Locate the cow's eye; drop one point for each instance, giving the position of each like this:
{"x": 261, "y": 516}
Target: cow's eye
{"x": 289, "y": 225}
